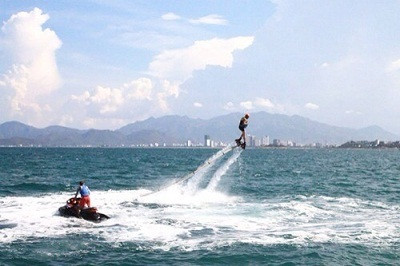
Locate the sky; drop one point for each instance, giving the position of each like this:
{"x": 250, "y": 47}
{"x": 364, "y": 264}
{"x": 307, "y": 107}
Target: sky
{"x": 107, "y": 63}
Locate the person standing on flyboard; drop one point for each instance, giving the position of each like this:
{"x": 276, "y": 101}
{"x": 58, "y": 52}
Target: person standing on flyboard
{"x": 242, "y": 125}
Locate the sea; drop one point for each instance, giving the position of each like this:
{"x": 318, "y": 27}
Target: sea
{"x": 246, "y": 207}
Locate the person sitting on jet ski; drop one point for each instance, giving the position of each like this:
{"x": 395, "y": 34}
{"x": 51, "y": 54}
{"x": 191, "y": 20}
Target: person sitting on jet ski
{"x": 85, "y": 195}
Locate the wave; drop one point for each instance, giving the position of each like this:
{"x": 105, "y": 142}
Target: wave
{"x": 184, "y": 216}
{"x": 208, "y": 219}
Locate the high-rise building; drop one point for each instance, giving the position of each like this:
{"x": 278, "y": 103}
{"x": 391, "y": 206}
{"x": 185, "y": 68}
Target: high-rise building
{"x": 250, "y": 140}
{"x": 207, "y": 141}
{"x": 276, "y": 142}
{"x": 257, "y": 142}
{"x": 265, "y": 141}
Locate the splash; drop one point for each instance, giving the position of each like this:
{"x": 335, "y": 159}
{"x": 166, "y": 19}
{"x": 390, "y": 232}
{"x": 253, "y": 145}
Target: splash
{"x": 193, "y": 179}
{"x": 212, "y": 185}
{"x": 219, "y": 220}
{"x": 190, "y": 193}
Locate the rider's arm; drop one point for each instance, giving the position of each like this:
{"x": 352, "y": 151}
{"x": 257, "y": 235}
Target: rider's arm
{"x": 77, "y": 191}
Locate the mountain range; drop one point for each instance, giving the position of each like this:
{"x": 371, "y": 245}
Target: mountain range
{"x": 178, "y": 129}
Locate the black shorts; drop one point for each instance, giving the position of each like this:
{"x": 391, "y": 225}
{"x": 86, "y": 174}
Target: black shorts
{"x": 242, "y": 127}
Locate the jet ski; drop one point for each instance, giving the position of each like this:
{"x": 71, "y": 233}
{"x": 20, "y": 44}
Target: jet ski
{"x": 90, "y": 214}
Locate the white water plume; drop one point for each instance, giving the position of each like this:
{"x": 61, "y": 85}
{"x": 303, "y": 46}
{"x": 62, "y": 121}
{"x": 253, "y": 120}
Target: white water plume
{"x": 193, "y": 179}
{"x": 212, "y": 185}
{"x": 193, "y": 183}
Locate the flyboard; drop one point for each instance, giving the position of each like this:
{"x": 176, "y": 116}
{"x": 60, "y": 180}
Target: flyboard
{"x": 216, "y": 156}
{"x": 241, "y": 144}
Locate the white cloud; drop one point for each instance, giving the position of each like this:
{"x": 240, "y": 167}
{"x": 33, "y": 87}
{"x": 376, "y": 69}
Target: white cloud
{"x": 179, "y": 64}
{"x": 248, "y": 105}
{"x": 325, "y": 65}
{"x": 81, "y": 98}
{"x": 263, "y": 102}
{"x": 66, "y": 120}
{"x": 174, "y": 67}
{"x": 311, "y": 106}
{"x": 139, "y": 89}
{"x": 353, "y": 112}
{"x": 229, "y": 106}
{"x": 168, "y": 89}
{"x": 212, "y": 19}
{"x": 151, "y": 96}
{"x": 170, "y": 16}
{"x": 34, "y": 71}
{"x": 134, "y": 100}
{"x": 105, "y": 100}
{"x": 196, "y": 104}
{"x": 393, "y": 66}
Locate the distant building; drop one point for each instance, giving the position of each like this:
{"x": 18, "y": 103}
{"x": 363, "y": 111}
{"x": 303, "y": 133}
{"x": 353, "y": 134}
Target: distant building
{"x": 265, "y": 141}
{"x": 189, "y": 143}
{"x": 250, "y": 140}
{"x": 256, "y": 142}
{"x": 276, "y": 142}
{"x": 207, "y": 141}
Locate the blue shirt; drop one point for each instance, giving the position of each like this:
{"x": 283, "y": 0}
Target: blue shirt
{"x": 84, "y": 190}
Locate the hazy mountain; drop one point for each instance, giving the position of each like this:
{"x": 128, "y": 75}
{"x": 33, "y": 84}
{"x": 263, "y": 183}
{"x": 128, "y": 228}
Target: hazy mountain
{"x": 14, "y": 141}
{"x": 16, "y": 129}
{"x": 178, "y": 129}
{"x": 225, "y": 128}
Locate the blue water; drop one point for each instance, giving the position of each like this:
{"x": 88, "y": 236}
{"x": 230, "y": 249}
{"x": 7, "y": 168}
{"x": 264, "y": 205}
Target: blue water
{"x": 261, "y": 206}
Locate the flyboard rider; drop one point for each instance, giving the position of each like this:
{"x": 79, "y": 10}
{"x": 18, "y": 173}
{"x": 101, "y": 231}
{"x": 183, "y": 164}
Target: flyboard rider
{"x": 242, "y": 125}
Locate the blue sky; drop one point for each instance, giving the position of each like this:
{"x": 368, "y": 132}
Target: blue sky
{"x": 104, "y": 64}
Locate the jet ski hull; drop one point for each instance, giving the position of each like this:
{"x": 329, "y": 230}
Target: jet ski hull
{"x": 90, "y": 214}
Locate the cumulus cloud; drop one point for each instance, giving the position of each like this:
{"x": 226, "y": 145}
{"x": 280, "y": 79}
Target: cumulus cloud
{"x": 66, "y": 120}
{"x": 248, "y": 105}
{"x": 139, "y": 89}
{"x": 167, "y": 72}
{"x": 311, "y": 106}
{"x": 229, "y": 106}
{"x": 179, "y": 64}
{"x": 212, "y": 19}
{"x": 325, "y": 65}
{"x": 170, "y": 16}
{"x": 117, "y": 106}
{"x": 393, "y": 66}
{"x": 353, "y": 112}
{"x": 263, "y": 102}
{"x": 167, "y": 90}
{"x": 108, "y": 101}
{"x": 34, "y": 71}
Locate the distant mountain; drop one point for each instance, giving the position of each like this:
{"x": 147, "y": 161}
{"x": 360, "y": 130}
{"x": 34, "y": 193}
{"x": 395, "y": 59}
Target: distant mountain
{"x": 178, "y": 129}
{"x": 16, "y": 129}
{"x": 225, "y": 128}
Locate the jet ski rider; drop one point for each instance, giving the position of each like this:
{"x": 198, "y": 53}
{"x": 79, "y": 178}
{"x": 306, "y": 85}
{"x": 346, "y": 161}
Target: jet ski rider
{"x": 85, "y": 194}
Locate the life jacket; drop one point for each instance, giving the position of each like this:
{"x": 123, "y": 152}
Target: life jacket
{"x": 84, "y": 190}
{"x": 243, "y": 123}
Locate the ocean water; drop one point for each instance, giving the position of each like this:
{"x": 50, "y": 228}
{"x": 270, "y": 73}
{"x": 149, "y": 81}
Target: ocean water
{"x": 258, "y": 206}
